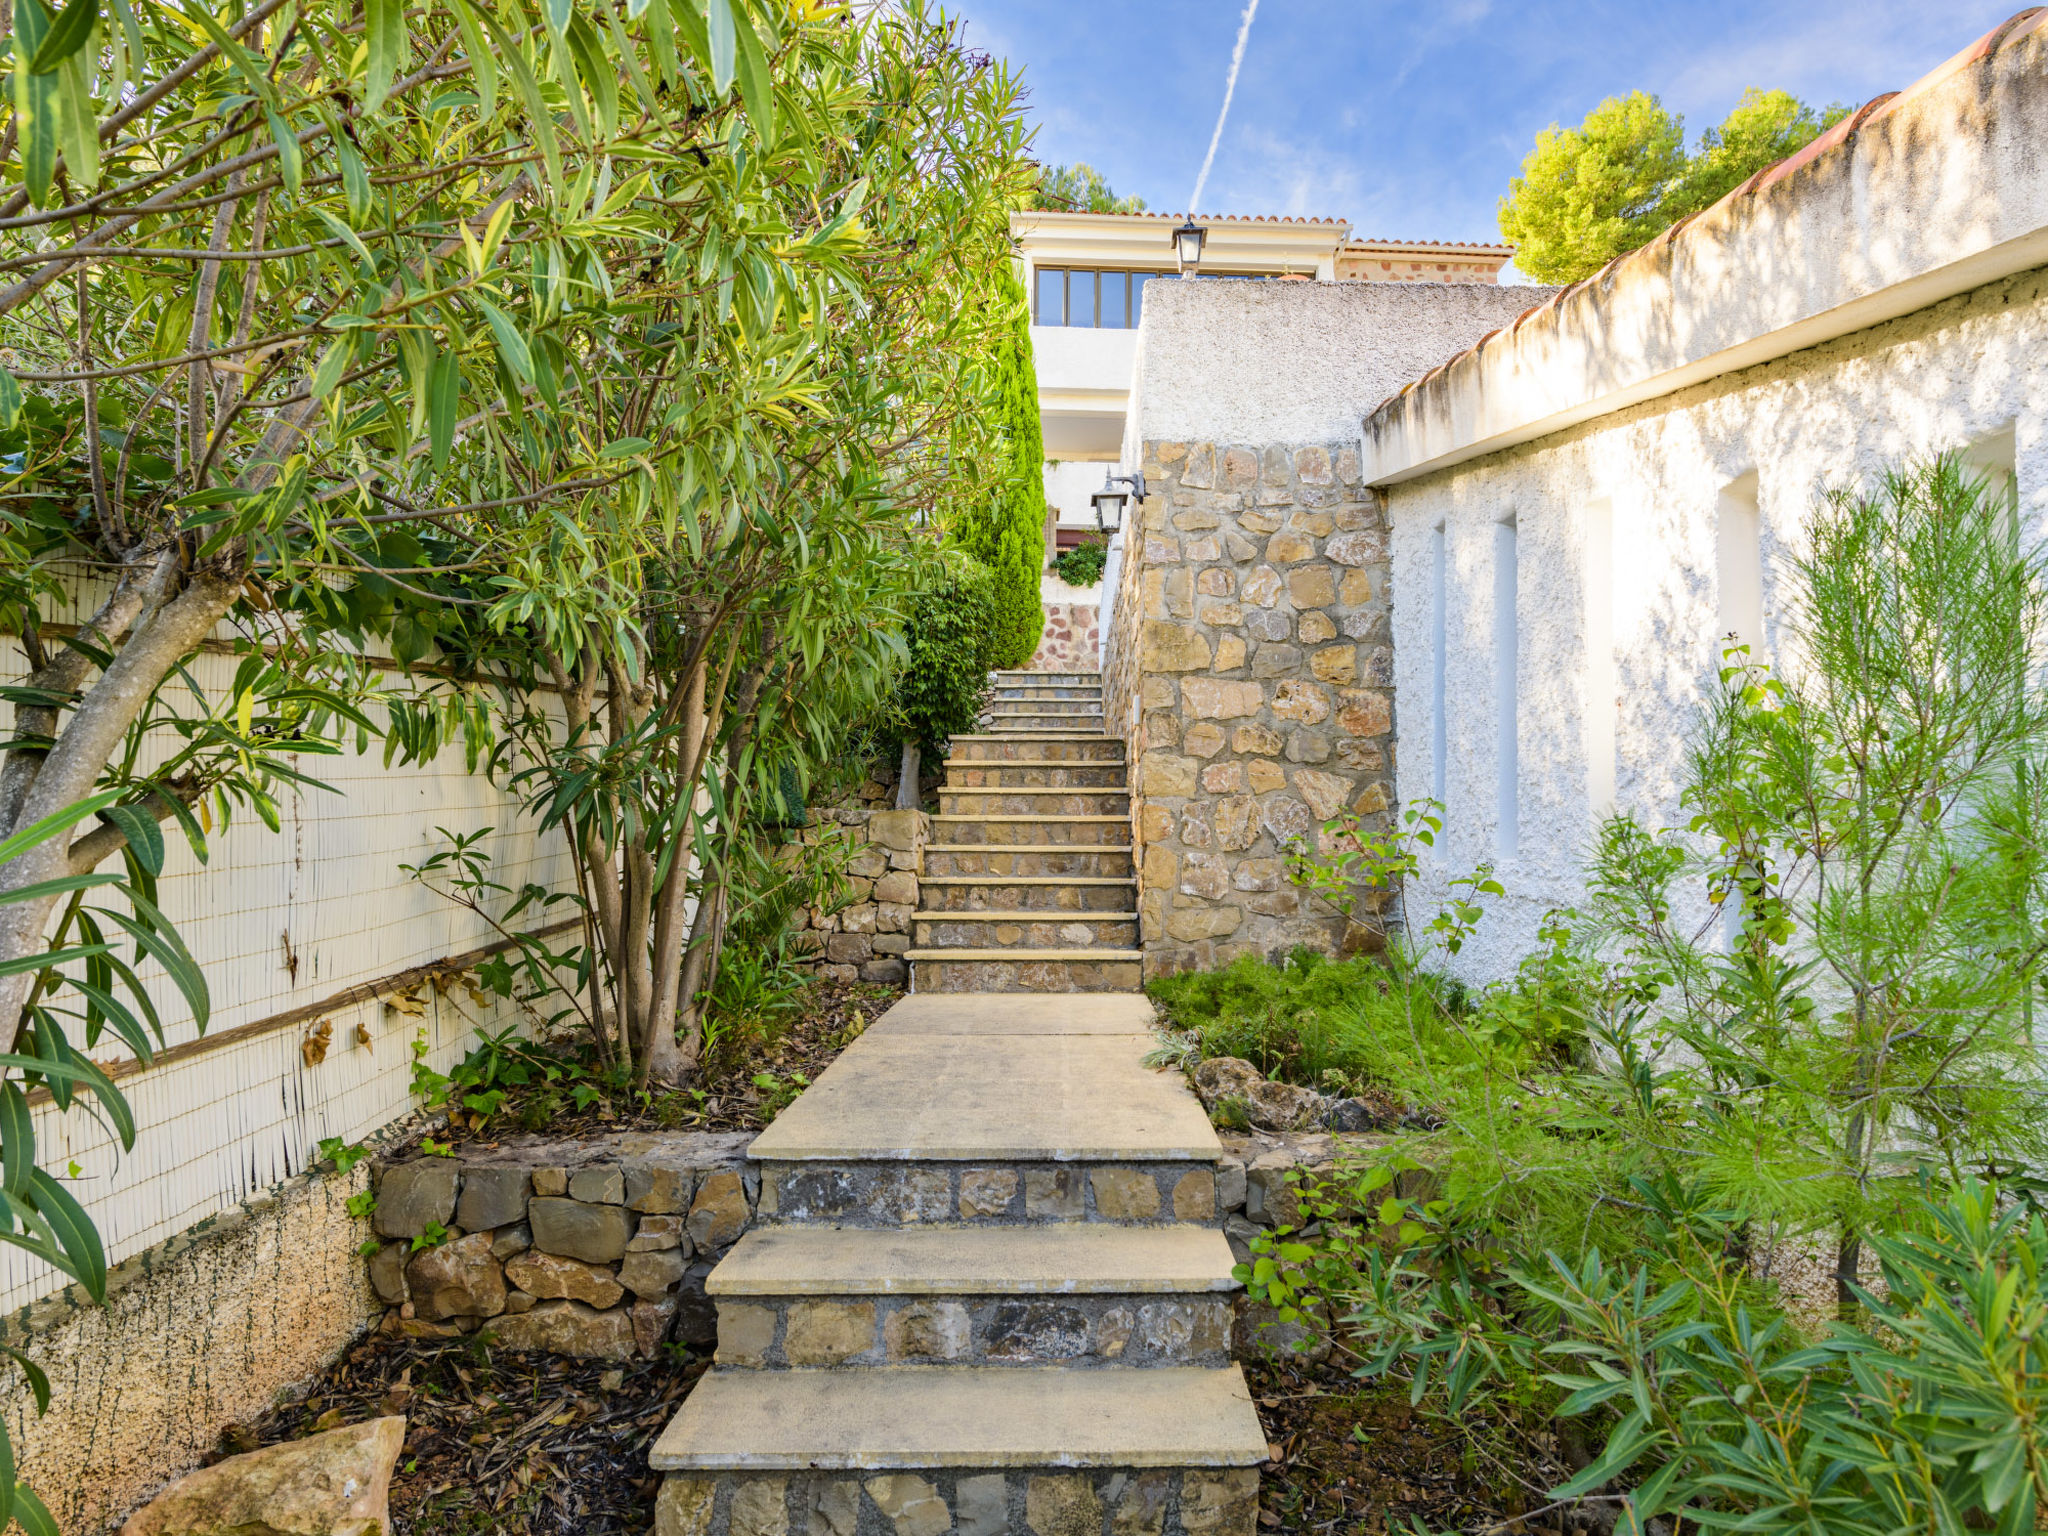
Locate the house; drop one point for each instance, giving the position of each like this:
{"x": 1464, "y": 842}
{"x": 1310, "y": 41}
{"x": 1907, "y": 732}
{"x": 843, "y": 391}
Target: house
{"x": 1086, "y": 276}
{"x": 1412, "y": 540}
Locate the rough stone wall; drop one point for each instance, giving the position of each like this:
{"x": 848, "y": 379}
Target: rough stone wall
{"x": 597, "y": 1247}
{"x": 209, "y": 1327}
{"x": 867, "y": 939}
{"x": 1257, "y": 586}
{"x": 1072, "y": 639}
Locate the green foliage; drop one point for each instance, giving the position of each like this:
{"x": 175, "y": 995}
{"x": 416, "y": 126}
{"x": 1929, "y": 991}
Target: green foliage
{"x": 1080, "y": 188}
{"x": 334, "y": 1150}
{"x": 951, "y": 636}
{"x": 1082, "y": 565}
{"x": 1808, "y": 1014}
{"x": 778, "y": 1093}
{"x": 1007, "y": 533}
{"x": 1764, "y": 128}
{"x": 1589, "y": 194}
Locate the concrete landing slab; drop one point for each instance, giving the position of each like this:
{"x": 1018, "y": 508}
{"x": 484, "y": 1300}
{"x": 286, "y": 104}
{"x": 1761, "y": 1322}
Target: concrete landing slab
{"x": 999, "y": 1013}
{"x": 1072, "y": 1259}
{"x": 905, "y": 1417}
{"x": 992, "y": 1097}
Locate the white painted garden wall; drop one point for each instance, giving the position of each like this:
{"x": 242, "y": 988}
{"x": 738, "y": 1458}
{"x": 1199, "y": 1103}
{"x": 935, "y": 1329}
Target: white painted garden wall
{"x": 1584, "y": 503}
{"x": 283, "y": 923}
{"x": 1621, "y": 577}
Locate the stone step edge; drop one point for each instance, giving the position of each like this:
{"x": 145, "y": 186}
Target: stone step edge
{"x": 1033, "y": 789}
{"x": 1012, "y": 915}
{"x": 1028, "y": 762}
{"x": 1039, "y": 736}
{"x": 906, "y": 1417}
{"x": 1085, "y": 1258}
{"x": 1113, "y": 956}
{"x": 1027, "y": 816}
{"x": 1019, "y": 879}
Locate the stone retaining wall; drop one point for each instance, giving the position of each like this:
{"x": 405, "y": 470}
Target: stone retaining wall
{"x": 1071, "y": 641}
{"x": 1253, "y": 641}
{"x": 867, "y": 940}
{"x": 971, "y": 1501}
{"x": 596, "y": 1248}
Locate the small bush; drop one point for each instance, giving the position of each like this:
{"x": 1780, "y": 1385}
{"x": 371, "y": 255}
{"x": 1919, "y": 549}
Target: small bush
{"x": 1082, "y": 565}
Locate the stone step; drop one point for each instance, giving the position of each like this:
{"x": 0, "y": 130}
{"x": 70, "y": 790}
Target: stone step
{"x": 1049, "y": 691}
{"x": 1039, "y": 746}
{"x": 997, "y": 970}
{"x": 944, "y": 860}
{"x": 1081, "y": 1294}
{"x": 999, "y": 724}
{"x": 1032, "y": 773}
{"x": 941, "y": 1080}
{"x": 911, "y": 1418}
{"x": 981, "y": 800}
{"x": 1023, "y": 931}
{"x": 974, "y": 1261}
{"x": 1001, "y": 707}
{"x": 1008, "y": 679}
{"x": 1034, "y": 831}
{"x": 1036, "y": 894}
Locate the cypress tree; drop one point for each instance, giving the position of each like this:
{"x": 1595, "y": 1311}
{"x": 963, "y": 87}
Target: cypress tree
{"x": 1009, "y": 535}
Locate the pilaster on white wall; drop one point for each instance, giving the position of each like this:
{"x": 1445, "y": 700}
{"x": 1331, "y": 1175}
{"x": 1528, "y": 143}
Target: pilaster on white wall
{"x": 1506, "y": 689}
{"x": 1739, "y": 569}
{"x": 1439, "y": 644}
{"x": 1603, "y": 682}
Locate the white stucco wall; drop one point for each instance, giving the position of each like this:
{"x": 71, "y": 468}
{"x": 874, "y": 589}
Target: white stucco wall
{"x": 1965, "y": 372}
{"x": 1297, "y": 362}
{"x": 1068, "y": 485}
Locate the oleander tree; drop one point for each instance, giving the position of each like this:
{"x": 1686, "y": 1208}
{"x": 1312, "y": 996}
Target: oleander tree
{"x": 623, "y": 345}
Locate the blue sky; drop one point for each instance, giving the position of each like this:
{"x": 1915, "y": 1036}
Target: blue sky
{"x": 1409, "y": 119}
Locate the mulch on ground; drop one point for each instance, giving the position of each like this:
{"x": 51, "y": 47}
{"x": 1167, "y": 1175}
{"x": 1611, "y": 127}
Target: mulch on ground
{"x": 729, "y": 1098}
{"x": 497, "y": 1442}
{"x": 1354, "y": 1457}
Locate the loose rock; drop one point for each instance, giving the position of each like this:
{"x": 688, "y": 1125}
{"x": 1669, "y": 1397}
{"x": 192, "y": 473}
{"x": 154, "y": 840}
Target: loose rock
{"x": 333, "y": 1484}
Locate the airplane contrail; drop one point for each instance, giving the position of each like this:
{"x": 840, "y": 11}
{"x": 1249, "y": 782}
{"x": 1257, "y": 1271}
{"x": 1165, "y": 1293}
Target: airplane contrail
{"x": 1244, "y": 31}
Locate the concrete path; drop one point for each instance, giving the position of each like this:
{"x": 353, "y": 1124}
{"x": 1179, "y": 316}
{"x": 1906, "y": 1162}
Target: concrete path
{"x": 989, "y": 1296}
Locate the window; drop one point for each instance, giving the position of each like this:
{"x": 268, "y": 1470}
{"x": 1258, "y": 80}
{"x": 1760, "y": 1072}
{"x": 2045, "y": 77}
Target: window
{"x": 1739, "y": 568}
{"x": 1109, "y": 300}
{"x": 1439, "y": 638}
{"x": 1506, "y": 695}
{"x": 1051, "y": 306}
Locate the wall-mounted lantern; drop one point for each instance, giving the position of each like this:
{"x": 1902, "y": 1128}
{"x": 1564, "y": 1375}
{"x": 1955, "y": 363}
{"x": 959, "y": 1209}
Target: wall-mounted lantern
{"x": 1109, "y": 501}
{"x": 1187, "y": 245}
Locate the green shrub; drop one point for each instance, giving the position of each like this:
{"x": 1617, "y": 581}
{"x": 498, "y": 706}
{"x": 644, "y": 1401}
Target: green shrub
{"x": 1082, "y": 565}
{"x": 952, "y": 635}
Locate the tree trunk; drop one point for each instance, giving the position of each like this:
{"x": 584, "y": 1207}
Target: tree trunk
{"x": 907, "y": 797}
{"x": 74, "y": 764}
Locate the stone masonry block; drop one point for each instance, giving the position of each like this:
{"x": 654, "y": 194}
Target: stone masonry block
{"x": 411, "y": 1195}
{"x": 1125, "y": 1194}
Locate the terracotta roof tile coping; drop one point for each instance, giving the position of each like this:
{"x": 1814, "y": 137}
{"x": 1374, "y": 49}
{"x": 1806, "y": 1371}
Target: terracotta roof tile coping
{"x": 2014, "y": 27}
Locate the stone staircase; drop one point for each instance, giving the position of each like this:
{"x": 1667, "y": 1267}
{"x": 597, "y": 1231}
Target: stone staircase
{"x": 987, "y": 1295}
{"x": 1027, "y": 884}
